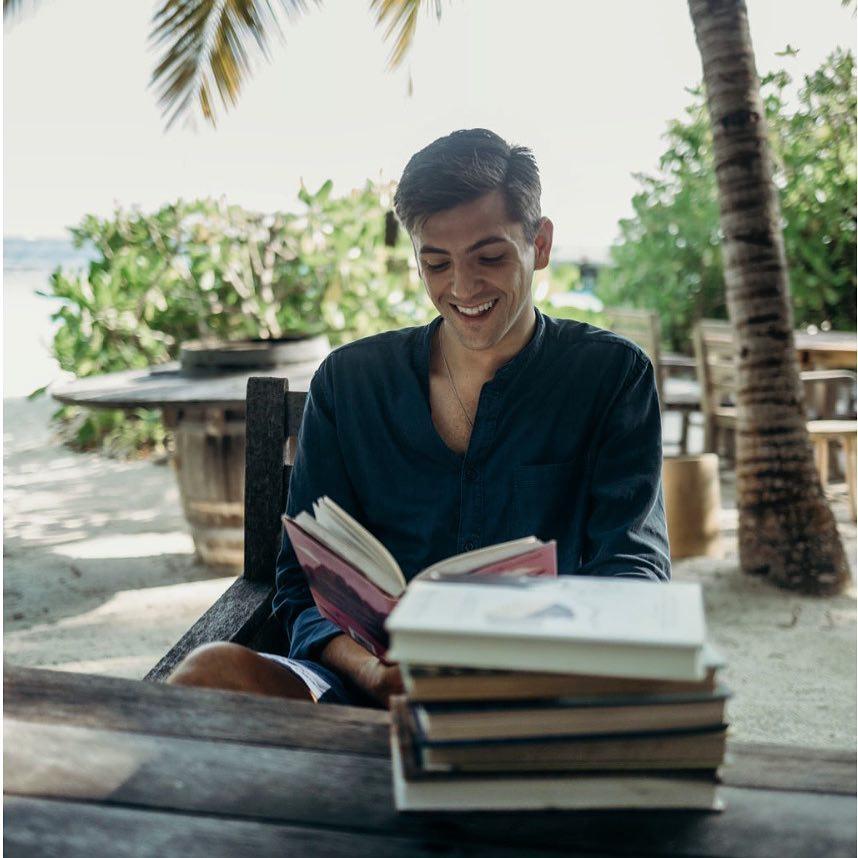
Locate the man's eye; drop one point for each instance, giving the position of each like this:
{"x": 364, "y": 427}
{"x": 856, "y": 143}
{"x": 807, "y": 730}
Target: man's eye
{"x": 438, "y": 266}
{"x": 491, "y": 260}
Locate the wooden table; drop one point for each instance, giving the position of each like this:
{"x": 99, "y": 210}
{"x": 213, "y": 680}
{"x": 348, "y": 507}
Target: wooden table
{"x": 101, "y": 766}
{"x": 826, "y": 349}
{"x": 206, "y": 411}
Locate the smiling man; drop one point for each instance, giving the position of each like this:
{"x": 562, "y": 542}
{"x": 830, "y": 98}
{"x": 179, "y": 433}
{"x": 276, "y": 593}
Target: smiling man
{"x": 491, "y": 423}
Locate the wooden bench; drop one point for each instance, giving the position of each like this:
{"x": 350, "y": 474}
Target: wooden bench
{"x": 243, "y": 613}
{"x": 714, "y": 348}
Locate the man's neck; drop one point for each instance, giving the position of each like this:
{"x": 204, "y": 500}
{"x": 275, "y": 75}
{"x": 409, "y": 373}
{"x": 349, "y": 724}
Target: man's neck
{"x": 477, "y": 366}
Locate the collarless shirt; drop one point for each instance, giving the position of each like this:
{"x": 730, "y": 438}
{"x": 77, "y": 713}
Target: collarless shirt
{"x": 566, "y": 445}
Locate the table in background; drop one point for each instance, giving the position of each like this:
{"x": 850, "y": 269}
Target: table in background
{"x": 826, "y": 349}
{"x": 206, "y": 411}
{"x": 96, "y": 766}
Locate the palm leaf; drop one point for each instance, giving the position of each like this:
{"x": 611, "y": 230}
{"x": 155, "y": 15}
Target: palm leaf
{"x": 400, "y": 18}
{"x": 208, "y": 51}
{"x": 13, "y": 9}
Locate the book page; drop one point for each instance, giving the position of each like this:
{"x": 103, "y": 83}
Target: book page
{"x": 473, "y": 561}
{"x": 332, "y": 516}
{"x": 347, "y": 551}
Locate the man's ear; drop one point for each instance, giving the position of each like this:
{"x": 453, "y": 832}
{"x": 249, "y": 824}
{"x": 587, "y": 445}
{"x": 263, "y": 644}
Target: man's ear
{"x": 542, "y": 244}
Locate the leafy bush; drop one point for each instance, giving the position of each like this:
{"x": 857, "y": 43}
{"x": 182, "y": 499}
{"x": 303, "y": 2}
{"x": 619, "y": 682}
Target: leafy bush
{"x": 668, "y": 256}
{"x": 204, "y": 269}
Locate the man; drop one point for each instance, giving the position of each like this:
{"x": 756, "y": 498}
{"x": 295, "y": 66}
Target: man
{"x": 491, "y": 423}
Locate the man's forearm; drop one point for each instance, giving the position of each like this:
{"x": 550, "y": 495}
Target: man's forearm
{"x": 348, "y": 658}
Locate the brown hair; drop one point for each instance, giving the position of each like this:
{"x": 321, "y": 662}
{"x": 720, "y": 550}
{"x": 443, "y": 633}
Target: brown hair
{"x": 463, "y": 166}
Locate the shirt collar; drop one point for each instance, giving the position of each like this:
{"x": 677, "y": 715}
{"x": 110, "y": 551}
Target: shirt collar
{"x": 504, "y": 374}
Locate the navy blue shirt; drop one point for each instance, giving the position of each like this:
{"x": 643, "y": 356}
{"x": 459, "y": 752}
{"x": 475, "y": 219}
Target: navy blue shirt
{"x": 566, "y": 445}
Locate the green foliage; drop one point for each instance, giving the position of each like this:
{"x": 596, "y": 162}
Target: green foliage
{"x": 205, "y": 269}
{"x": 552, "y": 285}
{"x": 668, "y": 256}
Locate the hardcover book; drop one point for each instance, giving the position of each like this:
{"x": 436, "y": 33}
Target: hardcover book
{"x": 569, "y": 716}
{"x": 431, "y": 683}
{"x": 572, "y": 624}
{"x": 674, "y": 749}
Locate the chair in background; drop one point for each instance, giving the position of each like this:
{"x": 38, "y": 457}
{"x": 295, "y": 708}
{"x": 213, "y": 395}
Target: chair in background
{"x": 715, "y": 363}
{"x": 830, "y": 397}
{"x": 674, "y": 392}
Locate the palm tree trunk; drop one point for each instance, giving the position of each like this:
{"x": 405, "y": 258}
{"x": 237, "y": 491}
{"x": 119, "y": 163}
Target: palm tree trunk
{"x": 786, "y": 529}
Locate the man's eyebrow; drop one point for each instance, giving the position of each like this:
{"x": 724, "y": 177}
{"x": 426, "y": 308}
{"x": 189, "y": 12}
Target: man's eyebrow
{"x": 492, "y": 239}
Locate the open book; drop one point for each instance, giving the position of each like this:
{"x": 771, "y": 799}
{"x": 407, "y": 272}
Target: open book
{"x": 356, "y": 582}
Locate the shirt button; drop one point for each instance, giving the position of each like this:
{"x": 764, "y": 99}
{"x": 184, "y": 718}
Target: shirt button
{"x": 470, "y": 545}
{"x": 470, "y": 474}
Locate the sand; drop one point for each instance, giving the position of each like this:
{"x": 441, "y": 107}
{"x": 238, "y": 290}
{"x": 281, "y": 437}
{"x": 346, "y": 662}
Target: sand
{"x": 100, "y": 576}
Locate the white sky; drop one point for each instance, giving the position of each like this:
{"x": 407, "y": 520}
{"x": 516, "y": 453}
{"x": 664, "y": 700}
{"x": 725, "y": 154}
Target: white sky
{"x": 588, "y": 85}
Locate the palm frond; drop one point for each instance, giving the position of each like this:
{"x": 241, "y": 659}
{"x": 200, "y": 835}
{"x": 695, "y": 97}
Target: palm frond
{"x": 208, "y": 51}
{"x": 400, "y": 18}
{"x": 15, "y": 9}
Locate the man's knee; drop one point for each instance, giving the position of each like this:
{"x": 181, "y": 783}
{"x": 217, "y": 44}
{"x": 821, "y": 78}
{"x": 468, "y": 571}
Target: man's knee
{"x": 214, "y": 665}
{"x": 231, "y": 667}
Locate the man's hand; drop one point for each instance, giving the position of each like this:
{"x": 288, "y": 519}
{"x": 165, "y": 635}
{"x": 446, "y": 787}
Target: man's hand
{"x": 384, "y": 681}
{"x": 350, "y": 659}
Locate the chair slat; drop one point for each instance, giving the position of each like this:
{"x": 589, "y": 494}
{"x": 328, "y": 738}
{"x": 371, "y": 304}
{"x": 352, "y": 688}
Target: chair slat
{"x": 643, "y": 328}
{"x": 267, "y": 430}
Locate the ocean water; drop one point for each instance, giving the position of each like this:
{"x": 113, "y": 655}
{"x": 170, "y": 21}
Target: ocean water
{"x": 27, "y": 327}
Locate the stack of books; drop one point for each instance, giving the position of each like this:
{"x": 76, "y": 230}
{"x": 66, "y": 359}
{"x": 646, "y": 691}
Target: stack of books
{"x": 571, "y": 693}
{"x": 525, "y": 690}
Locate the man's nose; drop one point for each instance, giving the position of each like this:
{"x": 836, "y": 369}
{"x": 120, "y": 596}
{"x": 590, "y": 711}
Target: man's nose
{"x": 465, "y": 283}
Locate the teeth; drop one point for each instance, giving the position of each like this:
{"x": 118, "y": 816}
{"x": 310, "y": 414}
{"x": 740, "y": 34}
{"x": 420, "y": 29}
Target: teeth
{"x": 475, "y": 311}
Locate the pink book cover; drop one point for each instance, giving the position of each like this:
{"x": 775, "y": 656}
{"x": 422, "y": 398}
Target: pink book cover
{"x": 342, "y": 593}
{"x": 359, "y": 608}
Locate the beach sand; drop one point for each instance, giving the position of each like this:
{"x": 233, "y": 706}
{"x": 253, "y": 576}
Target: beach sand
{"x": 100, "y": 576}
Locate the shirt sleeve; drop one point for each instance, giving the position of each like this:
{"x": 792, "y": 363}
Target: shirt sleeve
{"x": 318, "y": 470}
{"x": 626, "y": 531}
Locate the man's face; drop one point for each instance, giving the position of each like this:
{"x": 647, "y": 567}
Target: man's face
{"x": 477, "y": 267}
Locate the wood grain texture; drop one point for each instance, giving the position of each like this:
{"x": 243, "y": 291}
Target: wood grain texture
{"x": 757, "y": 764}
{"x": 236, "y": 616}
{"x": 345, "y": 791}
{"x": 267, "y": 430}
{"x": 65, "y": 829}
{"x": 167, "y": 385}
{"x": 57, "y": 697}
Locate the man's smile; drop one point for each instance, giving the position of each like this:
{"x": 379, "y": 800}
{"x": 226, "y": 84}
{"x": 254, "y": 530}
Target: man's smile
{"x": 476, "y": 311}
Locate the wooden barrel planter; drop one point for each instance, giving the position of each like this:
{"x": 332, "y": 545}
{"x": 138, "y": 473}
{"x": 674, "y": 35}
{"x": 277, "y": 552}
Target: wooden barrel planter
{"x": 692, "y": 500}
{"x": 208, "y": 456}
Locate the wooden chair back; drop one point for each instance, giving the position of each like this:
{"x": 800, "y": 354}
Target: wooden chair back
{"x": 715, "y": 360}
{"x": 642, "y": 327}
{"x": 273, "y": 419}
{"x": 243, "y": 613}
{"x": 828, "y": 394}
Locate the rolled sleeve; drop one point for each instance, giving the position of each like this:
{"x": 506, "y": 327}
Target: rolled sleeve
{"x": 626, "y": 532}
{"x": 318, "y": 470}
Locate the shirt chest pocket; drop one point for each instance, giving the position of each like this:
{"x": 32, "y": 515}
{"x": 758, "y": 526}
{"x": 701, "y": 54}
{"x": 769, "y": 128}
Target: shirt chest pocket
{"x": 546, "y": 498}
